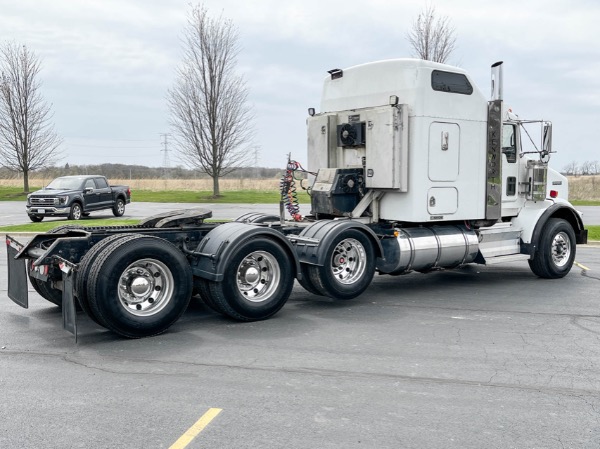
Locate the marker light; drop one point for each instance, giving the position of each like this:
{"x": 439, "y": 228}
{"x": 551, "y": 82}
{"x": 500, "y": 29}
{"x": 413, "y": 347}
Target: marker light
{"x": 553, "y": 193}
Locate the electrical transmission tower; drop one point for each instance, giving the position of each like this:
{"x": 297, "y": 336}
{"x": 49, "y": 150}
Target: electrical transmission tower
{"x": 256, "y": 156}
{"x": 165, "y": 150}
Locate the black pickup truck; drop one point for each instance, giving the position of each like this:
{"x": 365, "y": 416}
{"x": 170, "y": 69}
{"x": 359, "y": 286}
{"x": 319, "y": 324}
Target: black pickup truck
{"x": 77, "y": 196}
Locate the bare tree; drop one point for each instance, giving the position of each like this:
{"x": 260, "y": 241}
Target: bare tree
{"x": 432, "y": 38}
{"x": 27, "y": 138}
{"x": 211, "y": 120}
{"x": 586, "y": 168}
{"x": 571, "y": 169}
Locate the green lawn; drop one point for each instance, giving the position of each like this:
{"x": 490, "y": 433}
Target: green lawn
{"x": 593, "y": 233}
{"x": 585, "y": 203}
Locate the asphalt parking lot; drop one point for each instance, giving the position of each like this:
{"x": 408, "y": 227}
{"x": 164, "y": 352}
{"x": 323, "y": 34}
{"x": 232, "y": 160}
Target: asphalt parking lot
{"x": 477, "y": 357}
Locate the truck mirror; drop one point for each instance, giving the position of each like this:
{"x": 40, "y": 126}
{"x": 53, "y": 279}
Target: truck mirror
{"x": 547, "y": 137}
{"x": 88, "y": 190}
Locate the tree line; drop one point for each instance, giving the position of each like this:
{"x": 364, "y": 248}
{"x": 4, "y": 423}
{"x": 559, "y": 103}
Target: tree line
{"x": 125, "y": 171}
{"x": 586, "y": 168}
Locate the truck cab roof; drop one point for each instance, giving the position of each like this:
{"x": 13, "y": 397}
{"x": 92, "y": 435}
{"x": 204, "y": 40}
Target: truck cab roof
{"x": 430, "y": 88}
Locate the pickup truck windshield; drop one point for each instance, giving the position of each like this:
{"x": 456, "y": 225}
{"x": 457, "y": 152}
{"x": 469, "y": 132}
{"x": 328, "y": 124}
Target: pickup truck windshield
{"x": 65, "y": 184}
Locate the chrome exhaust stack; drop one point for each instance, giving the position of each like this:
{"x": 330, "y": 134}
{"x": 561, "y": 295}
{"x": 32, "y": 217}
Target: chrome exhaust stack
{"x": 497, "y": 83}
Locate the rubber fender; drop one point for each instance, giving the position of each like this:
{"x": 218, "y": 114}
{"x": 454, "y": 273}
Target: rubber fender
{"x": 325, "y": 231}
{"x": 558, "y": 210}
{"x": 218, "y": 247}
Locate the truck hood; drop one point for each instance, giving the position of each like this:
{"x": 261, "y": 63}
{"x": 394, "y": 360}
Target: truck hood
{"x": 54, "y": 192}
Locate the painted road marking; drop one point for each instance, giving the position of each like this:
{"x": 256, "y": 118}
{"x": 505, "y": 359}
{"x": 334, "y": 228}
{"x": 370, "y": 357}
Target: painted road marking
{"x": 198, "y": 427}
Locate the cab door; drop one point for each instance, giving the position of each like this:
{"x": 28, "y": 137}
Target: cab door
{"x": 91, "y": 197}
{"x": 105, "y": 193}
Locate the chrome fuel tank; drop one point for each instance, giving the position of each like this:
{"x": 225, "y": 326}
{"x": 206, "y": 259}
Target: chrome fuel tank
{"x": 428, "y": 248}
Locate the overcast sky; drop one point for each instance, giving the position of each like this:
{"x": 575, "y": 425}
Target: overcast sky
{"x": 107, "y": 64}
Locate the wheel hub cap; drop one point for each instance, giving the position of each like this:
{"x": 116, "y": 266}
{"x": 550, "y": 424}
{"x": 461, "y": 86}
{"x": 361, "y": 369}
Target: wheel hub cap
{"x": 561, "y": 249}
{"x": 348, "y": 262}
{"x": 258, "y": 276}
{"x": 145, "y": 287}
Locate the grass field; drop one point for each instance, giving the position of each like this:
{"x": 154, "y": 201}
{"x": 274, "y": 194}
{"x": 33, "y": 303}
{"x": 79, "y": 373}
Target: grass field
{"x": 584, "y": 190}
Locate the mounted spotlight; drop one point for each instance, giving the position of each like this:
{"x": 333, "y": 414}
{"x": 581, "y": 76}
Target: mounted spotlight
{"x": 311, "y": 111}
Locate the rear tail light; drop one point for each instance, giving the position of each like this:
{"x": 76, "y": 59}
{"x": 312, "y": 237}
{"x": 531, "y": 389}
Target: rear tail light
{"x": 553, "y": 193}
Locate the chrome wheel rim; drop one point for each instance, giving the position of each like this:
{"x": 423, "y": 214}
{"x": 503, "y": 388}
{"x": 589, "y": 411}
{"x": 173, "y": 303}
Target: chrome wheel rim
{"x": 258, "y": 276}
{"x": 561, "y": 249}
{"x": 348, "y": 261}
{"x": 76, "y": 212}
{"x": 120, "y": 207}
{"x": 145, "y": 287}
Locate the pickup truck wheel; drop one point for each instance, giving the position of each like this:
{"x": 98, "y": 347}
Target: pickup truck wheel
{"x": 83, "y": 271}
{"x": 139, "y": 287}
{"x": 349, "y": 266}
{"x": 257, "y": 282}
{"x": 119, "y": 207}
{"x": 36, "y": 218}
{"x": 76, "y": 212}
{"x": 556, "y": 250}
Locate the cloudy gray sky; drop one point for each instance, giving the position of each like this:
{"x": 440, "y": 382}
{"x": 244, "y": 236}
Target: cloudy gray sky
{"x": 107, "y": 64}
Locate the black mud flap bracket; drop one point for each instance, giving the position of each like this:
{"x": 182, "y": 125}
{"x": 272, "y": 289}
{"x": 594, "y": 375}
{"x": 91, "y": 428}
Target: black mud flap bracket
{"x": 69, "y": 314}
{"x": 17, "y": 273}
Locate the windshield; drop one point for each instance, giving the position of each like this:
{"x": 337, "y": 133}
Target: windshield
{"x": 65, "y": 184}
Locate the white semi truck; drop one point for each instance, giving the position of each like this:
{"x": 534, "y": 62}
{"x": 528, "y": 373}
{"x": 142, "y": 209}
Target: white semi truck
{"x": 415, "y": 171}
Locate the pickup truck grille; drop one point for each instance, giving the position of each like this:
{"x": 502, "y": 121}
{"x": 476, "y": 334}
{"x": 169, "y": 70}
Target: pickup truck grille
{"x": 43, "y": 200}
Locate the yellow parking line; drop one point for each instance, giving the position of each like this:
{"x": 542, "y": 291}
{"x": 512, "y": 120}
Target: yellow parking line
{"x": 583, "y": 267}
{"x": 198, "y": 427}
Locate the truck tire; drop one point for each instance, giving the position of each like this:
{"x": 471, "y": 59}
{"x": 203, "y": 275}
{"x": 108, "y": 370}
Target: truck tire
{"x": 83, "y": 271}
{"x": 257, "y": 217}
{"x": 139, "y": 287}
{"x": 76, "y": 211}
{"x": 307, "y": 283}
{"x": 119, "y": 208}
{"x": 257, "y": 282}
{"x": 46, "y": 291}
{"x": 349, "y": 266}
{"x": 555, "y": 250}
{"x": 36, "y": 218}
{"x": 204, "y": 291}
{"x": 44, "y": 288}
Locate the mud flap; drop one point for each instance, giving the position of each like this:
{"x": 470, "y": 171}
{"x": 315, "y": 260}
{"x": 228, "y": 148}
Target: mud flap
{"x": 17, "y": 275}
{"x": 68, "y": 304}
